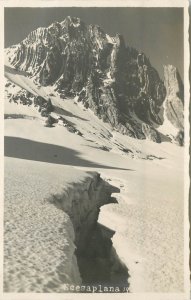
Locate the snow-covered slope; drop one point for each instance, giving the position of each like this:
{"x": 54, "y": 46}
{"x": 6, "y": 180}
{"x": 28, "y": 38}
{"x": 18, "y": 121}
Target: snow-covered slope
{"x": 39, "y": 238}
{"x": 49, "y": 213}
{"x": 148, "y": 218}
{"x": 92, "y": 128}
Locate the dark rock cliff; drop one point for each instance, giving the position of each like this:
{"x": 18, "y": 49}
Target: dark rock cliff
{"x": 115, "y": 81}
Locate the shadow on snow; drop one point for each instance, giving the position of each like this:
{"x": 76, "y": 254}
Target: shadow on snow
{"x": 37, "y": 151}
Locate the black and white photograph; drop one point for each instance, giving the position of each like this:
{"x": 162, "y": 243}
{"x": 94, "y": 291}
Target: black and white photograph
{"x": 95, "y": 151}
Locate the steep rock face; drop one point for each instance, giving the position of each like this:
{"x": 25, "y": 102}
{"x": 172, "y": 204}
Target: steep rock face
{"x": 174, "y": 101}
{"x": 117, "y": 82}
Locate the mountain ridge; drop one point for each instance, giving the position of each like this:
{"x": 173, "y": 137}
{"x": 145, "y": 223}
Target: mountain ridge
{"x": 114, "y": 80}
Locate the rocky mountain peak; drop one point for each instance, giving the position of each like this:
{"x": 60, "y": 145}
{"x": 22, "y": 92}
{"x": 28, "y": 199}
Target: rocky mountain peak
{"x": 173, "y": 82}
{"x": 174, "y": 101}
{"x": 114, "y": 80}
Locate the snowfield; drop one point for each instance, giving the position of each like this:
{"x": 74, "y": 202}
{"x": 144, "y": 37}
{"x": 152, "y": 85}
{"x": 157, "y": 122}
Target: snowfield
{"x": 149, "y": 216}
{"x": 39, "y": 238}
